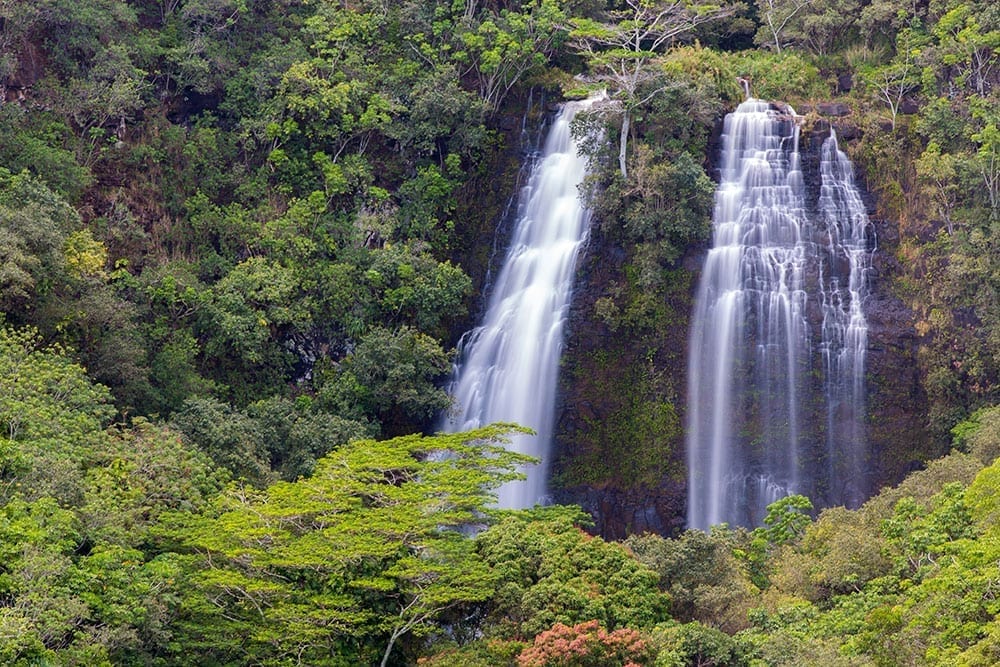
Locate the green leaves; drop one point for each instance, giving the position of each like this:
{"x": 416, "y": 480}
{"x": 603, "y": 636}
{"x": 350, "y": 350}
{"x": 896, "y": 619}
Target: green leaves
{"x": 552, "y": 572}
{"x": 143, "y": 472}
{"x": 786, "y": 519}
{"x": 254, "y": 299}
{"x": 503, "y": 48}
{"x": 700, "y": 573}
{"x": 901, "y": 579}
{"x": 369, "y": 548}
{"x": 390, "y": 374}
{"x": 51, "y": 417}
{"x": 35, "y": 224}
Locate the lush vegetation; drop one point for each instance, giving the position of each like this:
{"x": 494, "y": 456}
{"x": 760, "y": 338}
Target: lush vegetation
{"x": 239, "y": 239}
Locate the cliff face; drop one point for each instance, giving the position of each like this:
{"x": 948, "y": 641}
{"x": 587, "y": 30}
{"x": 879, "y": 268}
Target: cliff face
{"x": 619, "y": 450}
{"x": 620, "y": 443}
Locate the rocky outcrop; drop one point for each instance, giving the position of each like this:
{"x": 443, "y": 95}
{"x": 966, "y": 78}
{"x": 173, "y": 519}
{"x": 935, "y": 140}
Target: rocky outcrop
{"x": 487, "y": 203}
{"x": 619, "y": 513}
{"x": 833, "y": 109}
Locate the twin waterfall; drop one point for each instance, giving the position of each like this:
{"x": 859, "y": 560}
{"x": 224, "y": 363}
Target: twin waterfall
{"x": 509, "y": 365}
{"x": 776, "y": 401}
{"x": 778, "y": 337}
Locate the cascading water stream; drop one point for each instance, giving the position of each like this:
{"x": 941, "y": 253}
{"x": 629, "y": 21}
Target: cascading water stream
{"x": 749, "y": 335}
{"x": 845, "y": 328}
{"x": 508, "y": 366}
{"x": 751, "y": 387}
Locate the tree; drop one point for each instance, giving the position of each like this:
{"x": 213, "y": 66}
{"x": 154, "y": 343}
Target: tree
{"x": 195, "y": 40}
{"x": 254, "y": 304}
{"x": 70, "y": 601}
{"x": 786, "y": 519}
{"x": 980, "y": 435}
{"x": 892, "y": 82}
{"x": 296, "y": 433}
{"x": 818, "y": 26}
{"x": 113, "y": 93}
{"x": 987, "y": 163}
{"x": 390, "y": 376}
{"x": 35, "y": 224}
{"x": 777, "y": 15}
{"x": 699, "y": 572}
{"x": 968, "y": 37}
{"x": 52, "y": 418}
{"x": 347, "y": 562}
{"x": 784, "y": 523}
{"x": 694, "y": 645}
{"x": 36, "y": 539}
{"x": 586, "y": 645}
{"x": 414, "y": 289}
{"x": 620, "y": 48}
{"x": 143, "y": 472}
{"x": 229, "y": 436}
{"x": 939, "y": 171}
{"x": 550, "y": 571}
{"x": 502, "y": 48}
{"x": 441, "y": 114}
{"x": 838, "y": 554}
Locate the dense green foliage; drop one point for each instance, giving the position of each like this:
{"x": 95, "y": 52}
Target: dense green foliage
{"x": 239, "y": 238}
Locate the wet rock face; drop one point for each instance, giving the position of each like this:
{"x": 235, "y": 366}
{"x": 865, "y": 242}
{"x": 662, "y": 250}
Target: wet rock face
{"x": 619, "y": 513}
{"x": 898, "y": 437}
{"x": 896, "y": 404}
{"x": 602, "y": 408}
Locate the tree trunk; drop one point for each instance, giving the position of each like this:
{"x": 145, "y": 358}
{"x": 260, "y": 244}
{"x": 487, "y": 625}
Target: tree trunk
{"x": 623, "y": 142}
{"x": 388, "y": 649}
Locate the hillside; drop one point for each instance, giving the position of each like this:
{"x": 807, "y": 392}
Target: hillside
{"x": 241, "y": 239}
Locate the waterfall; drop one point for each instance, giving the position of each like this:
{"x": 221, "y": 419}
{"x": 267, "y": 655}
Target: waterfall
{"x": 508, "y": 366}
{"x": 845, "y": 329}
{"x": 752, "y": 391}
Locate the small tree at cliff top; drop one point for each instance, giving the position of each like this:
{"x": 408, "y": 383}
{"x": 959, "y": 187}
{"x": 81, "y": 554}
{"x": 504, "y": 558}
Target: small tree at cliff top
{"x": 621, "y": 47}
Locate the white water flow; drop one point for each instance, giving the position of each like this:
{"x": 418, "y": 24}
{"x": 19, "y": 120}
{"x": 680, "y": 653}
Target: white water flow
{"x": 845, "y": 328}
{"x": 508, "y": 366}
{"x": 751, "y": 389}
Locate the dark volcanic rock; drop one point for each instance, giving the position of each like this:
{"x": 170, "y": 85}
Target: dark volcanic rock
{"x": 897, "y": 429}
{"x": 909, "y": 106}
{"x": 623, "y": 512}
{"x": 833, "y": 109}
{"x": 598, "y": 400}
{"x": 847, "y": 131}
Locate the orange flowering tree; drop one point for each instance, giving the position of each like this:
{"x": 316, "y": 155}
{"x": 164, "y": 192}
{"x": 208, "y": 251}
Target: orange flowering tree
{"x": 587, "y": 645}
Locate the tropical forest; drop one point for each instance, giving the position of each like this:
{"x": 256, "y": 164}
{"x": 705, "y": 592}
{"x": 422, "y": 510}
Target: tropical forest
{"x": 513, "y": 333}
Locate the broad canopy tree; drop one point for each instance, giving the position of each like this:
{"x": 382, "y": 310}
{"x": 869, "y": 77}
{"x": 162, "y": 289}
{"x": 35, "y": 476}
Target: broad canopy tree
{"x": 341, "y": 565}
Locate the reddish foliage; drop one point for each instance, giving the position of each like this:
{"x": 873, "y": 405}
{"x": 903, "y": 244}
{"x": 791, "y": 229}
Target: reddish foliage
{"x": 586, "y": 645}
